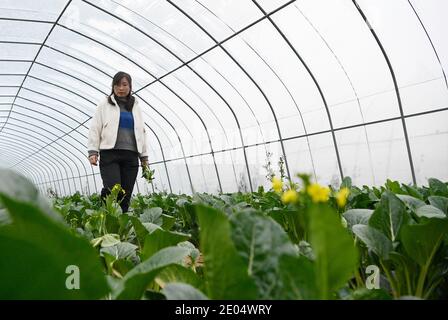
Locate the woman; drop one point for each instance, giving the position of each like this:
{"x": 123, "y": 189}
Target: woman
{"x": 117, "y": 135}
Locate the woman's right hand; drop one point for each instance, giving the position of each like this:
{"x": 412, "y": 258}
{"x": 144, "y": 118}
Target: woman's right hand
{"x": 93, "y": 159}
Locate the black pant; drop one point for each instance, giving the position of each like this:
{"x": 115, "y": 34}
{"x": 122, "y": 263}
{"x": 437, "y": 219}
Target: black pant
{"x": 119, "y": 166}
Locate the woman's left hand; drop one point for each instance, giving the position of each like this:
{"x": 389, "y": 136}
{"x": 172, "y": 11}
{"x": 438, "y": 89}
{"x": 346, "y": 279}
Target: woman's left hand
{"x": 144, "y": 163}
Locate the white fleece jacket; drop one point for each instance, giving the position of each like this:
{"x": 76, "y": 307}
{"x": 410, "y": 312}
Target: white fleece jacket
{"x": 104, "y": 127}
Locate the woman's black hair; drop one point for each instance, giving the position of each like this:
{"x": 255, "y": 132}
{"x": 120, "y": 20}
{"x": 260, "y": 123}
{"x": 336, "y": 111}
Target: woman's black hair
{"x": 130, "y": 98}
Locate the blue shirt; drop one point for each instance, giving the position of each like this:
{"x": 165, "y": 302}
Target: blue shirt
{"x": 126, "y": 120}
{"x": 126, "y": 135}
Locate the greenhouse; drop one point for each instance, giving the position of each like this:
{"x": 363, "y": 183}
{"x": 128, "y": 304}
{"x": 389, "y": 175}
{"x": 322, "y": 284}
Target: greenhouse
{"x": 305, "y": 140}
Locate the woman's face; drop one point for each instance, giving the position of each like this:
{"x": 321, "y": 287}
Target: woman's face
{"x": 122, "y": 89}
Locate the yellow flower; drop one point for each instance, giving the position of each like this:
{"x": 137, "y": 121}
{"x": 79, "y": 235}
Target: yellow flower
{"x": 318, "y": 193}
{"x": 117, "y": 189}
{"x": 290, "y": 196}
{"x": 277, "y": 184}
{"x": 341, "y": 197}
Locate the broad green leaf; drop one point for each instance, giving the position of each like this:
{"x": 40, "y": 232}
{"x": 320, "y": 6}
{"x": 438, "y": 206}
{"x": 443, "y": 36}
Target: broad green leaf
{"x": 394, "y": 186}
{"x": 411, "y": 202}
{"x": 115, "y": 264}
{"x": 298, "y": 278}
{"x": 123, "y": 220}
{"x": 151, "y": 227}
{"x": 346, "y": 183}
{"x": 4, "y": 217}
{"x": 134, "y": 284}
{"x": 357, "y": 216}
{"x": 178, "y": 273}
{"x": 121, "y": 250}
{"x": 374, "y": 240}
{"x": 194, "y": 252}
{"x": 182, "y": 291}
{"x": 291, "y": 221}
{"x": 152, "y": 215}
{"x": 168, "y": 222}
{"x": 122, "y": 266}
{"x": 336, "y": 255}
{"x": 143, "y": 229}
{"x": 406, "y": 270}
{"x": 422, "y": 240}
{"x": 389, "y": 215}
{"x": 139, "y": 229}
{"x": 361, "y": 200}
{"x": 440, "y": 203}
{"x": 437, "y": 187}
{"x": 278, "y": 216}
{"x": 182, "y": 201}
{"x": 16, "y": 186}
{"x": 413, "y": 192}
{"x": 112, "y": 223}
{"x": 430, "y": 212}
{"x": 39, "y": 256}
{"x": 306, "y": 250}
{"x": 112, "y": 282}
{"x": 160, "y": 239}
{"x": 261, "y": 242}
{"x": 109, "y": 240}
{"x": 125, "y": 225}
{"x": 225, "y": 270}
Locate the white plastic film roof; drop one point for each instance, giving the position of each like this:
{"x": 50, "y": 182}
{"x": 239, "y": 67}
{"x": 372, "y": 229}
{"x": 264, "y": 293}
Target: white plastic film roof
{"x": 339, "y": 87}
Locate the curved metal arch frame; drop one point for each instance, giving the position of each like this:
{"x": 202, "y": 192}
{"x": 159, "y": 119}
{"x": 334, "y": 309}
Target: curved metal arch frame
{"x": 292, "y": 1}
{"x": 90, "y": 85}
{"x": 50, "y": 97}
{"x": 397, "y": 90}
{"x": 158, "y": 139}
{"x": 339, "y": 62}
{"x": 36, "y": 173}
{"x": 60, "y": 87}
{"x": 48, "y": 82}
{"x": 430, "y": 41}
{"x": 13, "y": 146}
{"x": 313, "y": 79}
{"x": 336, "y": 130}
{"x": 59, "y": 138}
{"x": 175, "y": 115}
{"x": 12, "y": 105}
{"x": 203, "y": 80}
{"x": 56, "y": 111}
{"x": 30, "y": 173}
{"x": 46, "y": 144}
{"x": 50, "y": 174}
{"x": 186, "y": 46}
{"x": 141, "y": 98}
{"x": 179, "y": 139}
{"x": 49, "y": 181}
{"x": 78, "y": 79}
{"x": 53, "y": 98}
{"x": 250, "y": 78}
{"x": 71, "y": 128}
{"x": 276, "y": 75}
{"x": 37, "y": 54}
{"x": 166, "y": 86}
